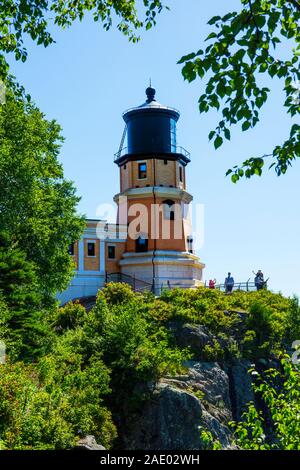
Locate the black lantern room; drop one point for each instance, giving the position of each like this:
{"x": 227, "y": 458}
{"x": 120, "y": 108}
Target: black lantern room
{"x": 151, "y": 132}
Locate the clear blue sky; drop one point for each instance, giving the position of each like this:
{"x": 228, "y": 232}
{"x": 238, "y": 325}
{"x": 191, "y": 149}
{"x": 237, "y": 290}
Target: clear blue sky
{"x": 89, "y": 77}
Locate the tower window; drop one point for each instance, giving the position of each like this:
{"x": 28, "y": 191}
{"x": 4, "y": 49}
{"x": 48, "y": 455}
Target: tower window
{"x": 180, "y": 174}
{"x": 169, "y": 209}
{"x": 71, "y": 250}
{"x": 165, "y": 162}
{"x": 91, "y": 251}
{"x": 125, "y": 166}
{"x": 142, "y": 171}
{"x": 111, "y": 252}
{"x": 141, "y": 245}
{"x": 190, "y": 244}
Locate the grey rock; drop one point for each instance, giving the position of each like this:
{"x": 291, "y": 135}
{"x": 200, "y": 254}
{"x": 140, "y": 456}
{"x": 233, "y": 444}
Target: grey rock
{"x": 171, "y": 419}
{"x": 194, "y": 336}
{"x": 88, "y": 443}
{"x": 241, "y": 390}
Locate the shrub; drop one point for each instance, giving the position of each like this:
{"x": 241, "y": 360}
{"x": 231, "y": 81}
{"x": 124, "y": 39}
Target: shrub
{"x": 280, "y": 393}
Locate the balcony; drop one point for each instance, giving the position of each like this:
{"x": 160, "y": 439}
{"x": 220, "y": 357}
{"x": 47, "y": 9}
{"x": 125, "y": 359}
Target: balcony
{"x": 175, "y": 150}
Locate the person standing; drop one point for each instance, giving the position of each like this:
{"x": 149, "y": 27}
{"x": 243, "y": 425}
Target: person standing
{"x": 229, "y": 284}
{"x": 259, "y": 280}
{"x": 212, "y": 283}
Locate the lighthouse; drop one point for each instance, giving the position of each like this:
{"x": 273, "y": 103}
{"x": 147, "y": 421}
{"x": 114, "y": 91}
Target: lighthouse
{"x": 151, "y": 245}
{"x": 153, "y": 200}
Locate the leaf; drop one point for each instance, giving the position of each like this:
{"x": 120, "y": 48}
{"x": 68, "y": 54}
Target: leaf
{"x": 218, "y": 142}
{"x": 227, "y": 133}
{"x": 246, "y": 125}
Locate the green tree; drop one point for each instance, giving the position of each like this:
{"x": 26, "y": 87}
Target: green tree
{"x": 19, "y": 18}
{"x": 243, "y": 47}
{"x": 24, "y": 328}
{"x": 38, "y": 206}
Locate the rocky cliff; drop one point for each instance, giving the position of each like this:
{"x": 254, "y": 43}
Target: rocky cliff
{"x": 207, "y": 396}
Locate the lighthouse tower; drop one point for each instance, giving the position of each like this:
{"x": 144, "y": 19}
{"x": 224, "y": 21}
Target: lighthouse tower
{"x": 153, "y": 200}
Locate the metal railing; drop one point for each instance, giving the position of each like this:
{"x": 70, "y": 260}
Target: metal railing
{"x": 175, "y": 149}
{"x": 247, "y": 286}
{"x": 137, "y": 284}
{"x": 155, "y": 106}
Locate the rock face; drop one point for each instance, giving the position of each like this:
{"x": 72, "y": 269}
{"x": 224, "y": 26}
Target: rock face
{"x": 240, "y": 388}
{"x": 88, "y": 443}
{"x": 209, "y": 395}
{"x": 196, "y": 337}
{"x": 179, "y": 406}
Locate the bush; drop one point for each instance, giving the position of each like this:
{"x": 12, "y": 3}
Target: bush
{"x": 280, "y": 393}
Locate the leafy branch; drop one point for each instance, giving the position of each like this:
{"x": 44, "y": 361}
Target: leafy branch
{"x": 243, "y": 46}
{"x": 19, "y": 18}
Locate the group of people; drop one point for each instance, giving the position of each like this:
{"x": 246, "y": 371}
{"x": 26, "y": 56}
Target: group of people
{"x": 259, "y": 282}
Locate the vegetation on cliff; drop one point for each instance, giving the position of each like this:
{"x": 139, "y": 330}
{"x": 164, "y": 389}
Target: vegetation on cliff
{"x": 88, "y": 365}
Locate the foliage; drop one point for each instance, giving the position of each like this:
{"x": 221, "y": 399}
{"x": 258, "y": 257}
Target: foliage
{"x": 248, "y": 324}
{"x": 38, "y": 206}
{"x": 24, "y": 323}
{"x": 293, "y": 321}
{"x": 243, "y": 47}
{"x": 48, "y": 415}
{"x": 69, "y": 317}
{"x": 135, "y": 348}
{"x": 94, "y": 370}
{"x": 280, "y": 393}
{"x": 35, "y": 18}
{"x": 207, "y": 440}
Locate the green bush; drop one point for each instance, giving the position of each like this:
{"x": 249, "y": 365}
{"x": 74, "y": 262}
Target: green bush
{"x": 280, "y": 392}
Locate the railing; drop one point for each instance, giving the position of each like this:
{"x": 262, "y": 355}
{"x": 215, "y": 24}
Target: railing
{"x": 175, "y": 149}
{"x": 247, "y": 286}
{"x": 137, "y": 284}
{"x": 155, "y": 106}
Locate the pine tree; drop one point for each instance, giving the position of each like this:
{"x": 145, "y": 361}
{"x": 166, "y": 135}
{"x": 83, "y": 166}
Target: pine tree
{"x": 24, "y": 322}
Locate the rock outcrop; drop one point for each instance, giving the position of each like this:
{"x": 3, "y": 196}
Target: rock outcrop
{"x": 88, "y": 443}
{"x": 208, "y": 396}
{"x": 179, "y": 406}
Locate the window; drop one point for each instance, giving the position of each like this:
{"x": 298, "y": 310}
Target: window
{"x": 91, "y": 249}
{"x": 180, "y": 174}
{"x": 141, "y": 245}
{"x": 190, "y": 244}
{"x": 169, "y": 209}
{"x": 111, "y": 252}
{"x": 71, "y": 249}
{"x": 125, "y": 166}
{"x": 142, "y": 171}
{"x": 173, "y": 135}
{"x": 165, "y": 162}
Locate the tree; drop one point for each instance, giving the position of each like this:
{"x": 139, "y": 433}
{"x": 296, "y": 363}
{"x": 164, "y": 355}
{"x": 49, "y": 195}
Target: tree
{"x": 37, "y": 205}
{"x": 19, "y": 18}
{"x": 242, "y": 49}
{"x": 243, "y": 46}
{"x": 23, "y": 326}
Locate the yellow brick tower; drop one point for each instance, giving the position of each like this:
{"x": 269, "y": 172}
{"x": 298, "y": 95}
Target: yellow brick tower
{"x": 153, "y": 200}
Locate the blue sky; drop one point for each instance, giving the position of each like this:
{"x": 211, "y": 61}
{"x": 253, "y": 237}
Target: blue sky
{"x": 89, "y": 77}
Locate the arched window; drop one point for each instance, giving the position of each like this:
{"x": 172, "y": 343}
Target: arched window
{"x": 141, "y": 245}
{"x": 169, "y": 209}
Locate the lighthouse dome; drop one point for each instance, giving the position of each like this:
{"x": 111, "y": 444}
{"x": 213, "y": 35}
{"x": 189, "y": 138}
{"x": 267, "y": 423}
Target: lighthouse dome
{"x": 151, "y": 127}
